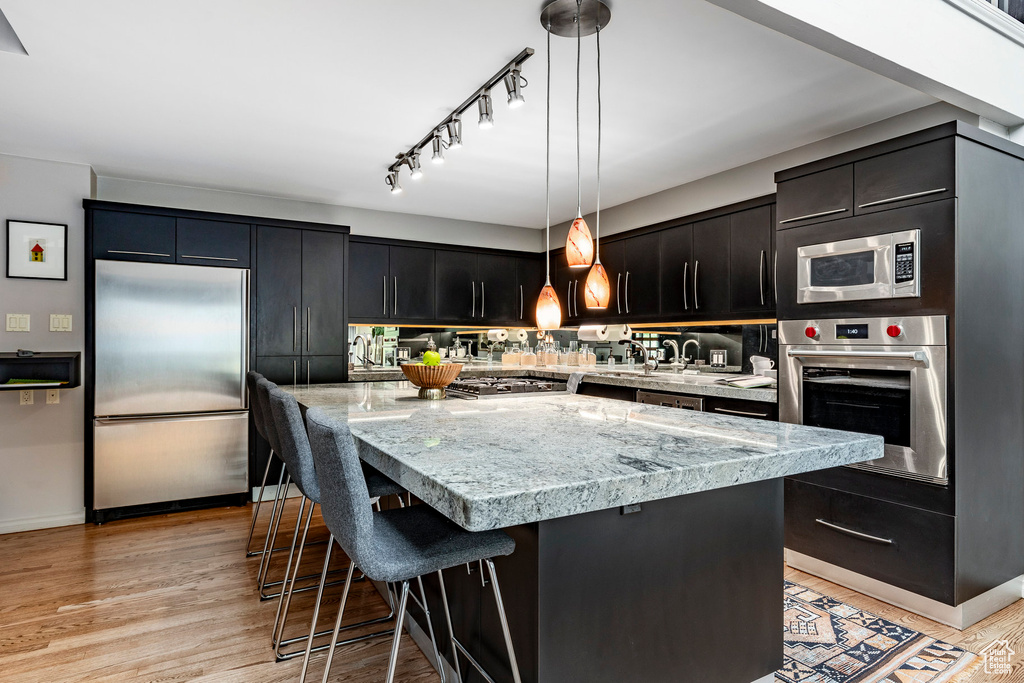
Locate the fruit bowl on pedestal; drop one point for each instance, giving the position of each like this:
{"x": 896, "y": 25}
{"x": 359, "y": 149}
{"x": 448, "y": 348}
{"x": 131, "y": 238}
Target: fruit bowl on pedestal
{"x": 431, "y": 379}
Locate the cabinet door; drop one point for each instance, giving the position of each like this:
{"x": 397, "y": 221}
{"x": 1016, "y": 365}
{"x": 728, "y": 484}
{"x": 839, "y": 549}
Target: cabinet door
{"x": 278, "y": 290}
{"x": 132, "y": 237}
{"x": 923, "y": 173}
{"x": 676, "y": 278}
{"x": 213, "y": 243}
{"x": 529, "y": 282}
{"x": 823, "y": 196}
{"x": 323, "y": 369}
{"x": 642, "y": 284}
{"x": 499, "y": 296}
{"x": 711, "y": 266}
{"x": 750, "y": 260}
{"x": 411, "y": 296}
{"x": 457, "y": 290}
{"x": 742, "y": 408}
{"x": 369, "y": 286}
{"x": 567, "y": 284}
{"x": 613, "y": 258}
{"x": 323, "y": 294}
{"x": 283, "y": 370}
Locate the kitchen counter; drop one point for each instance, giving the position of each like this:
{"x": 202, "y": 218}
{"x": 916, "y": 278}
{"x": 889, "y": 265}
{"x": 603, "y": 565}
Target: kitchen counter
{"x": 497, "y": 462}
{"x": 663, "y": 380}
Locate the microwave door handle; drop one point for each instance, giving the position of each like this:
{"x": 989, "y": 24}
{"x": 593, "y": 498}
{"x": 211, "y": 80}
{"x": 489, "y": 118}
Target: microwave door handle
{"x": 916, "y": 356}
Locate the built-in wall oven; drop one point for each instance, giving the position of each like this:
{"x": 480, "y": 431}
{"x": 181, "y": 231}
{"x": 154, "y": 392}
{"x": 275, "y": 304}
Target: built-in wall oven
{"x": 883, "y": 376}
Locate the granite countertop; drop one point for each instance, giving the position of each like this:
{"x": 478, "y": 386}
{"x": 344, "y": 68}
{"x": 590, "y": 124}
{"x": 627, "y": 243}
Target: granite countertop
{"x": 498, "y": 462}
{"x": 664, "y": 380}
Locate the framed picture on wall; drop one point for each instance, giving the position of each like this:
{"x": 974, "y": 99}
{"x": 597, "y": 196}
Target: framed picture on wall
{"x": 37, "y": 251}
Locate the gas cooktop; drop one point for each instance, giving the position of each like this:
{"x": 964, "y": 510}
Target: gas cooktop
{"x": 474, "y": 387}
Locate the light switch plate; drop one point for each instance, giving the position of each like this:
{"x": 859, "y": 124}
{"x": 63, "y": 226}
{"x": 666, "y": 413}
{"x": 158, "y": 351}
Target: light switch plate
{"x": 18, "y": 322}
{"x": 60, "y": 322}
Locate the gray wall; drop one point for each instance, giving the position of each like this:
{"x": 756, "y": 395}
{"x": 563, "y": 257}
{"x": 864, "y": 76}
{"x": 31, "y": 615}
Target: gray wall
{"x": 41, "y": 452}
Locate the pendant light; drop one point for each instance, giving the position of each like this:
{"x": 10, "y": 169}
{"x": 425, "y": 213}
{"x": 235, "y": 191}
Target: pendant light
{"x": 579, "y": 245}
{"x": 549, "y": 311}
{"x": 597, "y": 291}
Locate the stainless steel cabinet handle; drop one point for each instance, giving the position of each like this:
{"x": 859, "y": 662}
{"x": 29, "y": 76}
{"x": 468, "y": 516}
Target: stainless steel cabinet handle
{"x": 686, "y": 301}
{"x": 137, "y": 253}
{"x": 696, "y": 301}
{"x": 575, "y": 301}
{"x": 385, "y": 311}
{"x": 618, "y": 292}
{"x": 483, "y": 300}
{"x": 295, "y": 328}
{"x": 474, "y": 298}
{"x": 308, "y": 324}
{"x": 740, "y": 412}
{"x": 568, "y": 299}
{"x": 295, "y": 374}
{"x": 627, "y": 291}
{"x": 760, "y": 275}
{"x": 775, "y": 279}
{"x": 912, "y": 195}
{"x": 812, "y": 215}
{"x": 521, "y": 311}
{"x": 855, "y": 534}
{"x": 307, "y": 375}
{"x": 209, "y": 258}
{"x": 394, "y": 303}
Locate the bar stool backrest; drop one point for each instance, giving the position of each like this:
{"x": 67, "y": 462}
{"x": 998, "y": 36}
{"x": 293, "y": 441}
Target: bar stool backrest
{"x": 343, "y": 501}
{"x": 263, "y": 388}
{"x": 258, "y": 418}
{"x": 291, "y": 434}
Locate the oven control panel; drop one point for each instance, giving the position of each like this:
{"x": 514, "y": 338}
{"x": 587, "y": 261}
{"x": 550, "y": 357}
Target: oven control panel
{"x": 926, "y": 330}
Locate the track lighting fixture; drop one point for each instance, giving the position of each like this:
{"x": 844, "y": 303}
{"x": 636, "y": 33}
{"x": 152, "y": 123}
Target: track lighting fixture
{"x": 510, "y": 74}
{"x": 486, "y": 112}
{"x": 514, "y": 86}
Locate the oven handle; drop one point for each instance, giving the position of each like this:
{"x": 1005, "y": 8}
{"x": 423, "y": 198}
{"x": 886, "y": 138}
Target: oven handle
{"x": 918, "y": 356}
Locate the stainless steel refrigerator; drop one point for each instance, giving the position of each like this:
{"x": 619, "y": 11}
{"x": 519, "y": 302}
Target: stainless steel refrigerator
{"x": 170, "y": 418}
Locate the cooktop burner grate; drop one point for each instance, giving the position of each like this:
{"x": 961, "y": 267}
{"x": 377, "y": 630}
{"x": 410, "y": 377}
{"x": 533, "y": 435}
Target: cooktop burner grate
{"x": 503, "y": 386}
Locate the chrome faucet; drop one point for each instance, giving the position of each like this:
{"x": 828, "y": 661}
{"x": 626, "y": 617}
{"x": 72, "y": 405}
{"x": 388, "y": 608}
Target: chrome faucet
{"x": 650, "y": 364}
{"x": 675, "y": 348}
{"x": 687, "y": 343}
{"x": 367, "y": 363}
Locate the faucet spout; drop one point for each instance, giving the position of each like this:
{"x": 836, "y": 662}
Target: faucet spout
{"x": 650, "y": 364}
{"x": 671, "y": 343}
{"x": 367, "y": 363}
{"x": 687, "y": 343}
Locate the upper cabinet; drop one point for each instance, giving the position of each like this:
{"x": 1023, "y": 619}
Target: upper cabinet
{"x": 750, "y": 260}
{"x": 212, "y": 243}
{"x": 390, "y": 283}
{"x": 499, "y": 300}
{"x": 641, "y": 286}
{"x": 711, "y": 267}
{"x": 676, "y": 252}
{"x": 475, "y": 288}
{"x": 816, "y": 197}
{"x": 923, "y": 173}
{"x": 128, "y": 236}
{"x": 529, "y": 282}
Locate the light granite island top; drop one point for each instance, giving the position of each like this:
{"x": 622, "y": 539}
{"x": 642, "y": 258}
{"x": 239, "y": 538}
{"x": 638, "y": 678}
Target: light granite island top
{"x": 497, "y": 462}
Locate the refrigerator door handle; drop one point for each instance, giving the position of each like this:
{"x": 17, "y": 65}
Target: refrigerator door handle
{"x": 168, "y": 416}
{"x": 245, "y": 338}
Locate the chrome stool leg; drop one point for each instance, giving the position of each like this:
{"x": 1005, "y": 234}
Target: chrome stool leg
{"x": 268, "y": 555}
{"x": 451, "y": 633}
{"x": 504, "y": 621}
{"x": 256, "y": 512}
{"x": 316, "y": 609}
{"x": 403, "y": 602}
{"x": 422, "y": 602}
{"x": 288, "y": 566}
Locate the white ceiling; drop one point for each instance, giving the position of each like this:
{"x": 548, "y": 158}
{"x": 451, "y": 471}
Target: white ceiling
{"x": 312, "y": 100}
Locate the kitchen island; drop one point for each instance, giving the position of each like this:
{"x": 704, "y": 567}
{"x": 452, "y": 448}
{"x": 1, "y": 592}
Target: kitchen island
{"x": 649, "y": 540}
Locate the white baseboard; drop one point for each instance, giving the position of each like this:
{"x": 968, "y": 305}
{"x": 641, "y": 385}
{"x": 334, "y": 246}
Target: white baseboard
{"x": 13, "y": 526}
{"x": 270, "y": 493}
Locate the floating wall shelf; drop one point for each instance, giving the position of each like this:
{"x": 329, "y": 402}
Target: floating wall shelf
{"x": 46, "y": 367}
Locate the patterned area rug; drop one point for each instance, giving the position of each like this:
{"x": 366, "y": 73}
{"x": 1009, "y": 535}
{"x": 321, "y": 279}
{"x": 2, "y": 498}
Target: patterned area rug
{"x": 828, "y": 641}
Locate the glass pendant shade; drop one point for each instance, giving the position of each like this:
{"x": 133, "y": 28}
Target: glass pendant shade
{"x": 579, "y": 245}
{"x": 598, "y": 291}
{"x": 549, "y": 311}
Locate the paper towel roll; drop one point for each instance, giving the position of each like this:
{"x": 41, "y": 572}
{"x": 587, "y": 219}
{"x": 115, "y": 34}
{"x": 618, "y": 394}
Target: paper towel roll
{"x": 497, "y": 335}
{"x": 593, "y": 333}
{"x": 620, "y": 332}
{"x": 521, "y": 335}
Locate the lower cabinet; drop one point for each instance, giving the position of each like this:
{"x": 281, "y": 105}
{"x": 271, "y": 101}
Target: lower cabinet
{"x": 900, "y": 545}
{"x": 297, "y": 370}
{"x": 740, "y": 408}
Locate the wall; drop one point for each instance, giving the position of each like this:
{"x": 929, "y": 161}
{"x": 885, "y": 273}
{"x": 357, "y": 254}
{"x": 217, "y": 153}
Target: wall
{"x": 362, "y": 221}
{"x": 41, "y": 452}
{"x": 758, "y": 178}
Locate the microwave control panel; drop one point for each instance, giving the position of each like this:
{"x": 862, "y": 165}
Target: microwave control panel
{"x": 904, "y": 262}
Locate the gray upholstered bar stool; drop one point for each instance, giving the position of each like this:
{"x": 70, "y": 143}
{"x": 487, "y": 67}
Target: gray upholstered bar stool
{"x": 259, "y": 420}
{"x": 295, "y": 452}
{"x": 395, "y": 546}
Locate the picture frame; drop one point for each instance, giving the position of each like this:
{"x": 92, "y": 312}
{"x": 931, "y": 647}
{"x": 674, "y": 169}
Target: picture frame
{"x": 37, "y": 251}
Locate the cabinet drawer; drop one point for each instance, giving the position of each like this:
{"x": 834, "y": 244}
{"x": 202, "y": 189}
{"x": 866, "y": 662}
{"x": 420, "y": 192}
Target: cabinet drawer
{"x": 915, "y": 175}
{"x": 132, "y": 237}
{"x": 823, "y": 196}
{"x": 900, "y": 545}
{"x": 213, "y": 243}
{"x": 740, "y": 408}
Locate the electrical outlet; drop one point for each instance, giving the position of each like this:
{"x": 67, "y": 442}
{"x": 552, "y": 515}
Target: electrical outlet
{"x": 18, "y": 322}
{"x": 52, "y": 397}
{"x": 27, "y": 397}
{"x": 60, "y": 322}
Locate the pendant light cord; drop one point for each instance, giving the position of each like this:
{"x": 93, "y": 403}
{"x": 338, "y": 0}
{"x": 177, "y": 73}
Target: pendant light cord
{"x": 579, "y": 44}
{"x": 597, "y": 241}
{"x": 547, "y": 167}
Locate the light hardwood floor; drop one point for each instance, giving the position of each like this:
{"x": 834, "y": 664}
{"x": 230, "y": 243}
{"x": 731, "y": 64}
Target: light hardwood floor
{"x": 172, "y": 598}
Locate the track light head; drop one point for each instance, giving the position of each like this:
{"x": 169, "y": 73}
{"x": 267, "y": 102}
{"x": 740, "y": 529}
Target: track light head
{"x": 392, "y": 181}
{"x": 514, "y": 84}
{"x": 486, "y": 112}
{"x": 454, "y": 132}
{"x": 413, "y": 162}
{"x": 438, "y": 146}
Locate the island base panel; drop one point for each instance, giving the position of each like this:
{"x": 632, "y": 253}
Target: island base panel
{"x": 688, "y": 588}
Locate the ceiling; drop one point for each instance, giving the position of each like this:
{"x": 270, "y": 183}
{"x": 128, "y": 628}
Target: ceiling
{"x": 312, "y": 100}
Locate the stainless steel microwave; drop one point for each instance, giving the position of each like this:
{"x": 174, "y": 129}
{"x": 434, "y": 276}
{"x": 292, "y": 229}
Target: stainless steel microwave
{"x": 876, "y": 267}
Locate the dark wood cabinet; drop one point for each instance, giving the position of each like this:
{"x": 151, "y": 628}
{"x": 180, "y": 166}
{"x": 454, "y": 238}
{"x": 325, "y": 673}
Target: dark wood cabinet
{"x": 923, "y": 173}
{"x": 750, "y": 260}
{"x": 816, "y": 197}
{"x": 212, "y": 243}
{"x": 324, "y": 329}
{"x": 411, "y": 296}
{"x": 711, "y": 267}
{"x": 568, "y": 285}
{"x": 642, "y": 282}
{"x": 456, "y": 286}
{"x": 278, "y": 287}
{"x": 676, "y": 250}
{"x": 499, "y": 300}
{"x": 530, "y": 273}
{"x": 283, "y": 370}
{"x": 324, "y": 369}
{"x": 613, "y": 258}
{"x": 126, "y": 236}
{"x": 736, "y": 407}
{"x": 369, "y": 267}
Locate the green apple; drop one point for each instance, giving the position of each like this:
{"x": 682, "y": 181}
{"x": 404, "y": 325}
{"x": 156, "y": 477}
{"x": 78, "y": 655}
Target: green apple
{"x": 431, "y": 358}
